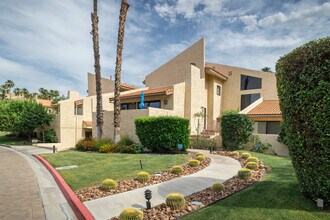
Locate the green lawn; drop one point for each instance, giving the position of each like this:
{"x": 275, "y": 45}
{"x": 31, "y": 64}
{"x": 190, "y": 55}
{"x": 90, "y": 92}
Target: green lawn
{"x": 5, "y": 139}
{"x": 277, "y": 196}
{"x": 93, "y": 168}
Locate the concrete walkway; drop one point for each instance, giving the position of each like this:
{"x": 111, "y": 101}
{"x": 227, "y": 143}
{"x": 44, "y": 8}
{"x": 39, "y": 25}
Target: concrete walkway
{"x": 27, "y": 189}
{"x": 221, "y": 169}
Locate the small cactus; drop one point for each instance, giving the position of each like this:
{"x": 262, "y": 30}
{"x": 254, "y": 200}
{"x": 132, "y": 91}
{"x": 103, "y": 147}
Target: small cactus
{"x": 194, "y": 163}
{"x": 200, "y": 158}
{"x": 253, "y": 159}
{"x": 217, "y": 187}
{"x": 176, "y": 170}
{"x": 175, "y": 201}
{"x": 244, "y": 173}
{"x": 143, "y": 177}
{"x": 131, "y": 214}
{"x": 234, "y": 153}
{"x": 245, "y": 155}
{"x": 252, "y": 166}
{"x": 108, "y": 184}
{"x": 199, "y": 154}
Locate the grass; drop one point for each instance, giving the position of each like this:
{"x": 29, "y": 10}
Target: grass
{"x": 93, "y": 168}
{"x": 277, "y": 196}
{"x": 5, "y": 138}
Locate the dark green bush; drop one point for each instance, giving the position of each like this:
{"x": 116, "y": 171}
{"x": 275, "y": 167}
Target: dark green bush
{"x": 50, "y": 136}
{"x": 236, "y": 130}
{"x": 164, "y": 133}
{"x": 125, "y": 140}
{"x": 303, "y": 85}
{"x": 129, "y": 149}
{"x": 202, "y": 143}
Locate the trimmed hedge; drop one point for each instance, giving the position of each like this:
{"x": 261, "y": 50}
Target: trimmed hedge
{"x": 303, "y": 85}
{"x": 236, "y": 130}
{"x": 163, "y": 133}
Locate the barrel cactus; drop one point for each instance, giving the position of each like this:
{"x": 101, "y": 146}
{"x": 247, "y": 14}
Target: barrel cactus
{"x": 175, "y": 201}
{"x": 234, "y": 153}
{"x": 143, "y": 177}
{"x": 253, "y": 159}
{"x": 131, "y": 214}
{"x": 200, "y": 158}
{"x": 244, "y": 173}
{"x": 245, "y": 155}
{"x": 176, "y": 170}
{"x": 252, "y": 165}
{"x": 108, "y": 184}
{"x": 194, "y": 163}
{"x": 199, "y": 154}
{"x": 217, "y": 187}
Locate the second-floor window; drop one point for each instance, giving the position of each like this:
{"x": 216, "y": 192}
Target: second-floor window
{"x": 248, "y": 99}
{"x": 78, "y": 110}
{"x": 218, "y": 90}
{"x": 250, "y": 82}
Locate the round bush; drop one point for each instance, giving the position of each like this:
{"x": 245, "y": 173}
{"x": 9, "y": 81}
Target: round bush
{"x": 143, "y": 177}
{"x": 108, "y": 184}
{"x": 244, "y": 173}
{"x": 252, "y": 166}
{"x": 131, "y": 214}
{"x": 303, "y": 89}
{"x": 253, "y": 159}
{"x": 176, "y": 170}
{"x": 199, "y": 154}
{"x": 104, "y": 148}
{"x": 234, "y": 153}
{"x": 175, "y": 201}
{"x": 217, "y": 187}
{"x": 200, "y": 158}
{"x": 194, "y": 163}
{"x": 245, "y": 155}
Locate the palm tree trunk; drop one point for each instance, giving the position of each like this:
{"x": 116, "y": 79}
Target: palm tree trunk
{"x": 95, "y": 33}
{"x": 120, "y": 44}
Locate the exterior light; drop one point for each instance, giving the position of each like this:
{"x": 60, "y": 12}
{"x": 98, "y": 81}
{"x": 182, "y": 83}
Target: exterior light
{"x": 148, "y": 195}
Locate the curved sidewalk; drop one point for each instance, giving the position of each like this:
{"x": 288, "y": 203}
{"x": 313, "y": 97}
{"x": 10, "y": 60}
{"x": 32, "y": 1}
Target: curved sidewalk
{"x": 220, "y": 169}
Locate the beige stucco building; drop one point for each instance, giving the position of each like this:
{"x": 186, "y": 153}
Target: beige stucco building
{"x": 184, "y": 86}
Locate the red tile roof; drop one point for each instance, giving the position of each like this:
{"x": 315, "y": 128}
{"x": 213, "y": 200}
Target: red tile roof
{"x": 149, "y": 92}
{"x": 266, "y": 107}
{"x": 126, "y": 86}
{"x": 87, "y": 123}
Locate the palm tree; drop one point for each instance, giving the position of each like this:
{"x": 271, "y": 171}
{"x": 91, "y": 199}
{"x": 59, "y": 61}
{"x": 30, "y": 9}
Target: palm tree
{"x": 9, "y": 84}
{"x": 120, "y": 44}
{"x": 95, "y": 33}
{"x": 266, "y": 69}
{"x": 17, "y": 91}
{"x": 25, "y": 93}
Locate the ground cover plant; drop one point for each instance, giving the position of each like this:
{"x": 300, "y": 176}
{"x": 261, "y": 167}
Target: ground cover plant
{"x": 276, "y": 196}
{"x": 93, "y": 168}
{"x": 10, "y": 139}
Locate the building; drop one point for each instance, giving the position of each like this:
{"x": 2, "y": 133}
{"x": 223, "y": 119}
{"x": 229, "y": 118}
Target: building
{"x": 184, "y": 86}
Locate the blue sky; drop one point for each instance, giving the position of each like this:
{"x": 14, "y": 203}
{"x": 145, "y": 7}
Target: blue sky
{"x": 47, "y": 43}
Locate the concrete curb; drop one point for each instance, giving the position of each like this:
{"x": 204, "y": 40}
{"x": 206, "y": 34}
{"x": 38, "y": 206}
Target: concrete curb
{"x": 5, "y": 145}
{"x": 77, "y": 206}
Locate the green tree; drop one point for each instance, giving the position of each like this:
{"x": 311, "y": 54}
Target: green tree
{"x": 266, "y": 69}
{"x": 23, "y": 116}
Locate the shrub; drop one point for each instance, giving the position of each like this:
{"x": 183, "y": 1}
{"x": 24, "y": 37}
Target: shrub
{"x": 303, "y": 86}
{"x": 200, "y": 158}
{"x": 234, "y": 153}
{"x": 108, "y": 184}
{"x": 143, "y": 177}
{"x": 254, "y": 144}
{"x": 199, "y": 154}
{"x": 163, "y": 133}
{"x": 253, "y": 159}
{"x": 217, "y": 187}
{"x": 252, "y": 165}
{"x": 175, "y": 201}
{"x": 125, "y": 140}
{"x": 176, "y": 170}
{"x": 245, "y": 155}
{"x": 104, "y": 148}
{"x": 131, "y": 214}
{"x": 244, "y": 173}
{"x": 194, "y": 163}
{"x": 130, "y": 149}
{"x": 50, "y": 136}
{"x": 202, "y": 143}
{"x": 85, "y": 144}
{"x": 235, "y": 130}
{"x": 98, "y": 143}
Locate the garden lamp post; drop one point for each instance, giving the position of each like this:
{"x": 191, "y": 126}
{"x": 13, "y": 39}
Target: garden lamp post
{"x": 147, "y": 195}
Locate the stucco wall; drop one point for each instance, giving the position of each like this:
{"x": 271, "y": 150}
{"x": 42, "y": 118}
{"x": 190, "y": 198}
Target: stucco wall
{"x": 271, "y": 139}
{"x": 107, "y": 85}
{"x": 174, "y": 71}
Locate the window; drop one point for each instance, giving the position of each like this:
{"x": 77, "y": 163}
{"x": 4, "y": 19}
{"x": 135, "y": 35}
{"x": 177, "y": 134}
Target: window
{"x": 218, "y": 90}
{"x": 269, "y": 127}
{"x": 153, "y": 104}
{"x": 126, "y": 106}
{"x": 250, "y": 82}
{"x": 78, "y": 110}
{"x": 248, "y": 99}
{"x": 88, "y": 134}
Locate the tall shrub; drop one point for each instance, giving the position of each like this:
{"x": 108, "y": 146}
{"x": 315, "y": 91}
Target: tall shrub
{"x": 236, "y": 130}
{"x": 162, "y": 133}
{"x": 303, "y": 84}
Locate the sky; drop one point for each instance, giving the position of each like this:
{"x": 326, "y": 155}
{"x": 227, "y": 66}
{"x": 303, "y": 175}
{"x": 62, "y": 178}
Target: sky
{"x": 48, "y": 43}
